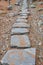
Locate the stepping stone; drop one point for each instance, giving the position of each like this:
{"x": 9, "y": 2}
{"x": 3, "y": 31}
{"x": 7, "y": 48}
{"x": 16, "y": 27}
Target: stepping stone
{"x": 25, "y": 13}
{"x": 19, "y": 31}
{"x": 23, "y": 17}
{"x": 33, "y": 6}
{"x": 21, "y": 20}
{"x": 21, "y": 25}
{"x": 20, "y": 57}
{"x": 20, "y": 41}
{"x": 24, "y": 9}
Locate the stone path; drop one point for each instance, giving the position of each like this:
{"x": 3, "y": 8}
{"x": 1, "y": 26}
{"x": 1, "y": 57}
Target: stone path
{"x": 21, "y": 31}
{"x": 20, "y": 40}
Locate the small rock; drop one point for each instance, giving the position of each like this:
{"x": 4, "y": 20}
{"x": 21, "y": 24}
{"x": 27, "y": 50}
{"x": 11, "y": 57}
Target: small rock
{"x": 40, "y": 23}
{"x": 9, "y": 7}
{"x": 40, "y": 9}
{"x": 33, "y": 6}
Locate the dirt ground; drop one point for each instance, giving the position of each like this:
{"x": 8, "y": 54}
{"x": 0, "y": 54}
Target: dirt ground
{"x": 36, "y": 38}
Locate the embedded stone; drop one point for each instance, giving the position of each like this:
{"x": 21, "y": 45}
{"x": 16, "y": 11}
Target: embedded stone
{"x": 23, "y": 17}
{"x": 20, "y": 57}
{"x": 20, "y": 41}
{"x": 19, "y": 31}
{"x": 33, "y": 6}
{"x": 25, "y": 12}
{"x": 21, "y": 20}
{"x": 21, "y": 25}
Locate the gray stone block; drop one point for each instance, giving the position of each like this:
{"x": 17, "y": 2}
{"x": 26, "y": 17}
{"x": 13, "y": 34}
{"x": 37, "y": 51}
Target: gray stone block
{"x": 19, "y": 31}
{"x": 40, "y": 9}
{"x": 20, "y": 57}
{"x": 20, "y": 41}
{"x": 33, "y": 6}
{"x": 9, "y": 7}
{"x": 21, "y": 25}
{"x": 25, "y": 12}
{"x": 23, "y": 17}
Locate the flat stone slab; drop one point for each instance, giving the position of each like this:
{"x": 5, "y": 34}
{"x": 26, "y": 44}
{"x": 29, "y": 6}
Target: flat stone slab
{"x": 21, "y": 25}
{"x": 23, "y": 17}
{"x": 24, "y": 12}
{"x": 22, "y": 9}
{"x": 20, "y": 57}
{"x": 19, "y": 31}
{"x": 21, "y": 20}
{"x": 17, "y": 2}
{"x": 20, "y": 41}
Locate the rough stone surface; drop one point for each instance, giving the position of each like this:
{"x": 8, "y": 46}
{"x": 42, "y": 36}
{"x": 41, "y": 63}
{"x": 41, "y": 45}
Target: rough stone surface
{"x": 20, "y": 41}
{"x": 21, "y": 20}
{"x": 21, "y": 25}
{"x": 23, "y": 17}
{"x": 20, "y": 57}
{"x": 25, "y": 12}
{"x": 19, "y": 31}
